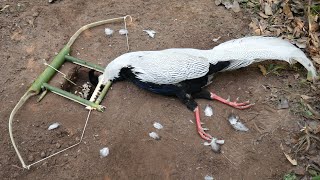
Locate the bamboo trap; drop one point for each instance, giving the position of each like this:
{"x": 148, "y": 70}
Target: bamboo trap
{"x": 41, "y": 85}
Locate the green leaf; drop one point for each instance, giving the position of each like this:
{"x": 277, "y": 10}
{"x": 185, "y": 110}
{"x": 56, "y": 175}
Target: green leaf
{"x": 290, "y": 176}
{"x": 316, "y": 178}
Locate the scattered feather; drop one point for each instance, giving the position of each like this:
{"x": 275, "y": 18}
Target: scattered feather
{"x": 191, "y": 121}
{"x": 208, "y": 111}
{"x": 104, "y": 152}
{"x": 123, "y": 31}
{"x": 263, "y": 15}
{"x": 154, "y": 135}
{"x": 220, "y": 141}
{"x": 216, "y": 39}
{"x": 207, "y": 177}
{"x": 215, "y": 144}
{"x": 236, "y": 123}
{"x": 151, "y": 33}
{"x": 53, "y": 126}
{"x": 157, "y": 125}
{"x": 108, "y": 31}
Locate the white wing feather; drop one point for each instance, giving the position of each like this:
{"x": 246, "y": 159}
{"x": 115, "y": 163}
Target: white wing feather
{"x": 160, "y": 67}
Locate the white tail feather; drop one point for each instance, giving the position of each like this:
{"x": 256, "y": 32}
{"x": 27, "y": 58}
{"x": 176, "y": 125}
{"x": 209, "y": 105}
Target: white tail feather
{"x": 245, "y": 51}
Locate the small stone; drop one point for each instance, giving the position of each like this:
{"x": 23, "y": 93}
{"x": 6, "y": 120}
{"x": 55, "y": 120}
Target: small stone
{"x": 43, "y": 154}
{"x": 58, "y": 145}
{"x": 30, "y": 158}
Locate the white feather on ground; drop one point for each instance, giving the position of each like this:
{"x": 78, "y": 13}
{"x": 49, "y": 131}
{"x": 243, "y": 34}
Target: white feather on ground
{"x": 208, "y": 111}
{"x": 207, "y": 177}
{"x": 157, "y": 125}
{"x": 236, "y": 123}
{"x": 53, "y": 126}
{"x": 215, "y": 144}
{"x": 123, "y": 31}
{"x": 154, "y": 135}
{"x": 104, "y": 152}
{"x": 108, "y": 31}
{"x": 151, "y": 33}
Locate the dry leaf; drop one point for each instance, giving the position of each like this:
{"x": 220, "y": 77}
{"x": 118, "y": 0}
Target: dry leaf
{"x": 315, "y": 41}
{"x": 253, "y": 25}
{"x": 316, "y": 59}
{"x": 263, "y": 24}
{"x": 267, "y": 9}
{"x": 296, "y": 32}
{"x": 289, "y": 29}
{"x": 287, "y": 11}
{"x": 263, "y": 15}
{"x": 292, "y": 161}
{"x": 263, "y": 70}
{"x": 298, "y": 22}
{"x": 305, "y": 97}
{"x": 250, "y": 4}
{"x": 314, "y": 27}
{"x": 257, "y": 32}
{"x": 235, "y": 6}
{"x": 301, "y": 43}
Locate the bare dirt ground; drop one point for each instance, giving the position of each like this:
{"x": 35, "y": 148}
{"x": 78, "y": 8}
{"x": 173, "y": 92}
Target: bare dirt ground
{"x": 35, "y": 30}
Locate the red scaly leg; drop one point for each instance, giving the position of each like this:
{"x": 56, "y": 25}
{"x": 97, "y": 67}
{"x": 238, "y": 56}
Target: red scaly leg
{"x": 201, "y": 132}
{"x": 234, "y": 104}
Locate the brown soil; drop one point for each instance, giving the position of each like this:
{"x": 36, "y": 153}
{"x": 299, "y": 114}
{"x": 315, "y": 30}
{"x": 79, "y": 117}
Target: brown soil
{"x": 35, "y": 30}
